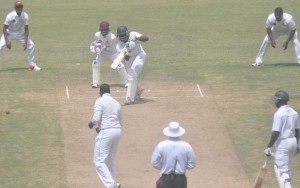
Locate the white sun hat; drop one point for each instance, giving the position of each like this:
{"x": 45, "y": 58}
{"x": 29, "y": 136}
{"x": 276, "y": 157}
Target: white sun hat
{"x": 173, "y": 130}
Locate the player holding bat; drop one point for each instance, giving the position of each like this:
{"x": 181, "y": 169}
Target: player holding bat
{"x": 104, "y": 46}
{"x": 285, "y": 136}
{"x": 135, "y": 57}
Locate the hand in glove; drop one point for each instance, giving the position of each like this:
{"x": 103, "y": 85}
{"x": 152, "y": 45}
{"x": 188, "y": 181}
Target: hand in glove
{"x": 268, "y": 152}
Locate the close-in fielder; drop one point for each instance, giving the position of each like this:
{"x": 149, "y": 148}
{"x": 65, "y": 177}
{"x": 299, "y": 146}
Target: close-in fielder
{"x": 135, "y": 58}
{"x": 285, "y": 136}
{"x": 107, "y": 43}
{"x": 108, "y": 118}
{"x": 278, "y": 23}
{"x": 16, "y": 27}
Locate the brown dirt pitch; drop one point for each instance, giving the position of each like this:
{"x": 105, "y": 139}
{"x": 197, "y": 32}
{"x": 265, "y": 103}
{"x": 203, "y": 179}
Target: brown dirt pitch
{"x": 190, "y": 104}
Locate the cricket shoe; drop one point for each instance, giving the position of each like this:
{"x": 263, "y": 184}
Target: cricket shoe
{"x": 128, "y": 102}
{"x": 95, "y": 85}
{"x": 257, "y": 65}
{"x": 35, "y": 68}
{"x": 117, "y": 185}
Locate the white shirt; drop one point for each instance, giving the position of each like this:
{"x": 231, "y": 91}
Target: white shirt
{"x": 137, "y": 45}
{"x": 109, "y": 41}
{"x": 285, "y": 121}
{"x": 169, "y": 151}
{"x": 286, "y": 24}
{"x": 16, "y": 23}
{"x": 107, "y": 112}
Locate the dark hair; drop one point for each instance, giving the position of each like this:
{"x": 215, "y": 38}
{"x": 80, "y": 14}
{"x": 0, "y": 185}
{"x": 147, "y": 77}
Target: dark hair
{"x": 278, "y": 11}
{"x": 104, "y": 88}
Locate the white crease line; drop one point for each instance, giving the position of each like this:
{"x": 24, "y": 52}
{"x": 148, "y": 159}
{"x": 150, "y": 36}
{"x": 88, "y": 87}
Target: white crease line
{"x": 201, "y": 94}
{"x": 67, "y": 92}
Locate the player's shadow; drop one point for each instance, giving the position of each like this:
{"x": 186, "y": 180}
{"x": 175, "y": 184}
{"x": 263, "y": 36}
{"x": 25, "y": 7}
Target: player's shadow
{"x": 117, "y": 85}
{"x": 13, "y": 69}
{"x": 284, "y": 65}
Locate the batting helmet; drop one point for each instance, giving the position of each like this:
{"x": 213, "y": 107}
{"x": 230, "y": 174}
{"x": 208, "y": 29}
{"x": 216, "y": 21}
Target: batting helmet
{"x": 122, "y": 33}
{"x": 281, "y": 97}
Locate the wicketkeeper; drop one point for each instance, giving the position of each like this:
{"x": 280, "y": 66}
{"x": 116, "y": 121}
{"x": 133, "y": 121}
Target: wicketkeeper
{"x": 105, "y": 47}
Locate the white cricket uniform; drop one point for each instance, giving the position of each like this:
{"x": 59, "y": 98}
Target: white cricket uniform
{"x": 110, "y": 52}
{"x": 285, "y": 121}
{"x": 16, "y": 28}
{"x": 169, "y": 151}
{"x": 134, "y": 65}
{"x": 283, "y": 27}
{"x": 108, "y": 116}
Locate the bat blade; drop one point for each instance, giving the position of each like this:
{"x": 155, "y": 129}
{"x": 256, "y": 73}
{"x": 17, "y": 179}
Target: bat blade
{"x": 261, "y": 175}
{"x": 118, "y": 60}
{"x": 260, "y": 178}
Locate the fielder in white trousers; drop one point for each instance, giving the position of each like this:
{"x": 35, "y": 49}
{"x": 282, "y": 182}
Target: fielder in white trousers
{"x": 105, "y": 150}
{"x": 18, "y": 36}
{"x": 267, "y": 42}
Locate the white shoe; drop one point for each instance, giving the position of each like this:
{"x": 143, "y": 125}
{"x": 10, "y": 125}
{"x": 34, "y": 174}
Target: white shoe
{"x": 36, "y": 68}
{"x": 117, "y": 185}
{"x": 257, "y": 65}
{"x": 126, "y": 85}
{"x": 128, "y": 102}
{"x": 95, "y": 85}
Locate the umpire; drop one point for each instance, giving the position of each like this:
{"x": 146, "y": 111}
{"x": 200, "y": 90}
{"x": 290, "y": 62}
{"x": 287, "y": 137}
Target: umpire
{"x": 173, "y": 157}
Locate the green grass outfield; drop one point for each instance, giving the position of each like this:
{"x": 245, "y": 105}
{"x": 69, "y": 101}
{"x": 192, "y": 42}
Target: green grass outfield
{"x": 210, "y": 42}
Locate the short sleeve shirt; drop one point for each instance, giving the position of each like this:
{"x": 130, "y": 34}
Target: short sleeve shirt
{"x": 285, "y": 121}
{"x": 286, "y": 24}
{"x": 16, "y": 23}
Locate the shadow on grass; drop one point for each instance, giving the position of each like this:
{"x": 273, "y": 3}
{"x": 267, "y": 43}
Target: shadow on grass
{"x": 284, "y": 65}
{"x": 13, "y": 69}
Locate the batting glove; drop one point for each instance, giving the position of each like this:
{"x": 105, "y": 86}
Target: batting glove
{"x": 268, "y": 152}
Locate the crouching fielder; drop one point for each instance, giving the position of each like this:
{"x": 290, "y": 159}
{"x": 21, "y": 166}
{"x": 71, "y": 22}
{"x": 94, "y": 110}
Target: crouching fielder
{"x": 285, "y": 136}
{"x": 135, "y": 58}
{"x": 105, "y": 47}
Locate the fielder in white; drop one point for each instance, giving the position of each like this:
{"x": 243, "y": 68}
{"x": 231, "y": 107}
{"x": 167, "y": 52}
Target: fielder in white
{"x": 285, "y": 136}
{"x": 279, "y": 23}
{"x": 105, "y": 47}
{"x": 108, "y": 117}
{"x": 135, "y": 58}
{"x": 16, "y": 27}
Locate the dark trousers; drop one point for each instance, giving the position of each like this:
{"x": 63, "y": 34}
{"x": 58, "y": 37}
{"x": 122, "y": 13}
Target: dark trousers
{"x": 174, "y": 181}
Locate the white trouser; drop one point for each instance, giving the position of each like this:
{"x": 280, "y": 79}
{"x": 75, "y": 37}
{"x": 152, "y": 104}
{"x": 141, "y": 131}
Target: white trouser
{"x": 267, "y": 42}
{"x": 285, "y": 151}
{"x": 96, "y": 67}
{"x": 134, "y": 69}
{"x": 105, "y": 150}
{"x": 21, "y": 38}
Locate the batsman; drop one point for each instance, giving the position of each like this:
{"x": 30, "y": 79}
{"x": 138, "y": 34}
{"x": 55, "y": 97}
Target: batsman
{"x": 285, "y": 137}
{"x": 135, "y": 57}
{"x": 105, "y": 47}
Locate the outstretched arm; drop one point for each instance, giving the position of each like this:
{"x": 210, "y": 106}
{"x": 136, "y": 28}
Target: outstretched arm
{"x": 143, "y": 38}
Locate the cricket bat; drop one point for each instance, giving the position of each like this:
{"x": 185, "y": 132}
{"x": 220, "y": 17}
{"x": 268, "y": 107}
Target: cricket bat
{"x": 261, "y": 175}
{"x": 119, "y": 58}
